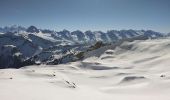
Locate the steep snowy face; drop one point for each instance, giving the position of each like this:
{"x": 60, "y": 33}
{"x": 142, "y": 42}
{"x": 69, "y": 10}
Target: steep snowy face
{"x": 152, "y": 34}
{"x": 114, "y": 35}
{"x": 65, "y": 34}
{"x": 78, "y": 36}
{"x": 101, "y": 36}
{"x": 90, "y": 36}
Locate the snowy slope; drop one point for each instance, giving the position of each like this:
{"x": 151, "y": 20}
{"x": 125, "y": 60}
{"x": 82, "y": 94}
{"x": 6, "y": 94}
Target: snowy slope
{"x": 136, "y": 70}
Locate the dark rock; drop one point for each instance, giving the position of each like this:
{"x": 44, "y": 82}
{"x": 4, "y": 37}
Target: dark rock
{"x": 32, "y": 29}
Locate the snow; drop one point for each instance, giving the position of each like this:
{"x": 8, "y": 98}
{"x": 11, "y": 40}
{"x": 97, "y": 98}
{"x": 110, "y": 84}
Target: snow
{"x": 98, "y": 36}
{"x": 138, "y": 70}
{"x": 38, "y": 51}
{"x": 117, "y": 34}
{"x": 46, "y": 36}
{"x": 1, "y": 33}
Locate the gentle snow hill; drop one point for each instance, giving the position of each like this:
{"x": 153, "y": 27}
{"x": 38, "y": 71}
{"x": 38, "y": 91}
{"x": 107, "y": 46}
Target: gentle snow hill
{"x": 138, "y": 70}
{"x": 143, "y": 53}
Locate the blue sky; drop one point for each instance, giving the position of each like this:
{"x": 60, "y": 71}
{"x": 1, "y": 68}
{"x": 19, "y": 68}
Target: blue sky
{"x": 87, "y": 14}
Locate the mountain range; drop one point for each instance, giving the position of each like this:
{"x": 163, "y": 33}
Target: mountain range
{"x": 20, "y": 46}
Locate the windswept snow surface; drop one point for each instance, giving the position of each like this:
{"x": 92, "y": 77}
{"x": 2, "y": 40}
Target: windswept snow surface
{"x": 138, "y": 70}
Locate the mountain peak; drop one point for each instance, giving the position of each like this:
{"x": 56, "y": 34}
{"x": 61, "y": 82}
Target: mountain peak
{"x": 32, "y": 29}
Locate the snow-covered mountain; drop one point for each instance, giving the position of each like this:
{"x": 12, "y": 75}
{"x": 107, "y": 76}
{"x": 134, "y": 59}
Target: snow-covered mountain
{"x": 49, "y": 47}
{"x": 83, "y": 37}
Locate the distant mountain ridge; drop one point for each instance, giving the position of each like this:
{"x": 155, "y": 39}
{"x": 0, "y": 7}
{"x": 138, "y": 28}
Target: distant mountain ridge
{"x": 84, "y": 37}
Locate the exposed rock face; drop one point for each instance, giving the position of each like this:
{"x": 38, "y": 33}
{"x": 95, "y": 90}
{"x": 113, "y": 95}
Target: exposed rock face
{"x": 10, "y": 57}
{"x": 32, "y": 29}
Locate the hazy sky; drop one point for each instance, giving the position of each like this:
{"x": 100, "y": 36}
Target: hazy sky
{"x": 87, "y": 14}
